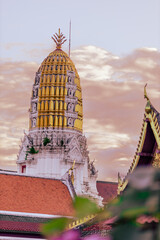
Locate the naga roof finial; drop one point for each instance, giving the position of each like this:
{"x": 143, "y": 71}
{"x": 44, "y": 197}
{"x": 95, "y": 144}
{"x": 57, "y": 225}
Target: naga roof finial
{"x": 71, "y": 172}
{"x": 148, "y": 105}
{"x": 145, "y": 92}
{"x": 73, "y": 165}
{"x": 59, "y": 39}
{"x": 119, "y": 179}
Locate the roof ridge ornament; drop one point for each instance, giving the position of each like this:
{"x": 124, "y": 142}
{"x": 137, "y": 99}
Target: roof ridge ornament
{"x": 71, "y": 172}
{"x": 148, "y": 105}
{"x": 59, "y": 39}
{"x": 145, "y": 92}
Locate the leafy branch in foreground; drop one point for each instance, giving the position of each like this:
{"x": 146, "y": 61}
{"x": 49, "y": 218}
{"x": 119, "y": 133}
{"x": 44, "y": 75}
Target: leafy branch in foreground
{"x": 141, "y": 198}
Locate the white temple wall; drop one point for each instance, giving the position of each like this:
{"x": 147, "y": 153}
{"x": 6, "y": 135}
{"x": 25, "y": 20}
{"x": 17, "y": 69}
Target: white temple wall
{"x": 54, "y": 160}
{"x": 78, "y": 179}
{"x": 93, "y": 185}
{"x": 85, "y": 170}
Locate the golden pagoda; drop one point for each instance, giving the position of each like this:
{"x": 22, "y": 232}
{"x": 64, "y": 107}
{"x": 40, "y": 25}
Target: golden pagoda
{"x": 57, "y": 98}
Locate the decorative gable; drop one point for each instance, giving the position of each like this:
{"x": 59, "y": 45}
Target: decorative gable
{"x": 148, "y": 149}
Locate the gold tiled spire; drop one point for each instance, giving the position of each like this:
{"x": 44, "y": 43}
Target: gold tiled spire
{"x": 53, "y": 91}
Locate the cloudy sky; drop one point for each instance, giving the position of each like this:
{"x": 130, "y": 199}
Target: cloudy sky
{"x": 116, "y": 50}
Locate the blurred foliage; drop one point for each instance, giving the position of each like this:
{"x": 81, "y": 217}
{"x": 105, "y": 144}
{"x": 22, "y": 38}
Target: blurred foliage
{"x": 54, "y": 226}
{"x": 84, "y": 207}
{"x": 140, "y": 198}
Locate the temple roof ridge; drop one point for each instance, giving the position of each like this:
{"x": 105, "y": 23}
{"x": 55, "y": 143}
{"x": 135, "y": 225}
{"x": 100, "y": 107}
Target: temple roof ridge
{"x": 149, "y": 105}
{"x": 151, "y": 122}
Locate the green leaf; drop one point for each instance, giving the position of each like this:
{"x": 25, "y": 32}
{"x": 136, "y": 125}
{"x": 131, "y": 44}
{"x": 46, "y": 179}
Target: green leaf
{"x": 116, "y": 201}
{"x": 142, "y": 195}
{"x": 134, "y": 212}
{"x": 54, "y": 227}
{"x": 130, "y": 231}
{"x": 84, "y": 207}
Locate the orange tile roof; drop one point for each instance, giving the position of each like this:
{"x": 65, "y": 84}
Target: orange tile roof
{"x": 34, "y": 195}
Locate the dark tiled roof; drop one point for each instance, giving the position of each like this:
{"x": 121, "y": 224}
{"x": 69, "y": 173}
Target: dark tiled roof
{"x": 34, "y": 195}
{"x": 19, "y": 226}
{"x": 107, "y": 190}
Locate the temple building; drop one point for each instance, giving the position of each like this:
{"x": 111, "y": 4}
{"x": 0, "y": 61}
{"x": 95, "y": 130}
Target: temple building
{"x": 53, "y": 164}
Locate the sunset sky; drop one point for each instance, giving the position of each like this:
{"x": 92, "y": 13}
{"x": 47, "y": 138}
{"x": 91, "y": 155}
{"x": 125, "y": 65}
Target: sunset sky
{"x": 116, "y": 50}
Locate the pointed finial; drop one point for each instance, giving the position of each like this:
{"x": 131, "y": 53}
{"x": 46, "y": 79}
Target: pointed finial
{"x": 71, "y": 172}
{"x": 73, "y": 165}
{"x": 59, "y": 39}
{"x": 148, "y": 105}
{"x": 145, "y": 92}
{"x": 71, "y": 169}
{"x": 119, "y": 179}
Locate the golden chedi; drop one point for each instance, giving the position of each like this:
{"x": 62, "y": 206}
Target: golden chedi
{"x": 56, "y": 95}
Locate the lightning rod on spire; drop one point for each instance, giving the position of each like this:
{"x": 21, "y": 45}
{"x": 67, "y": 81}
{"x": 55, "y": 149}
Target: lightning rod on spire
{"x": 69, "y": 38}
